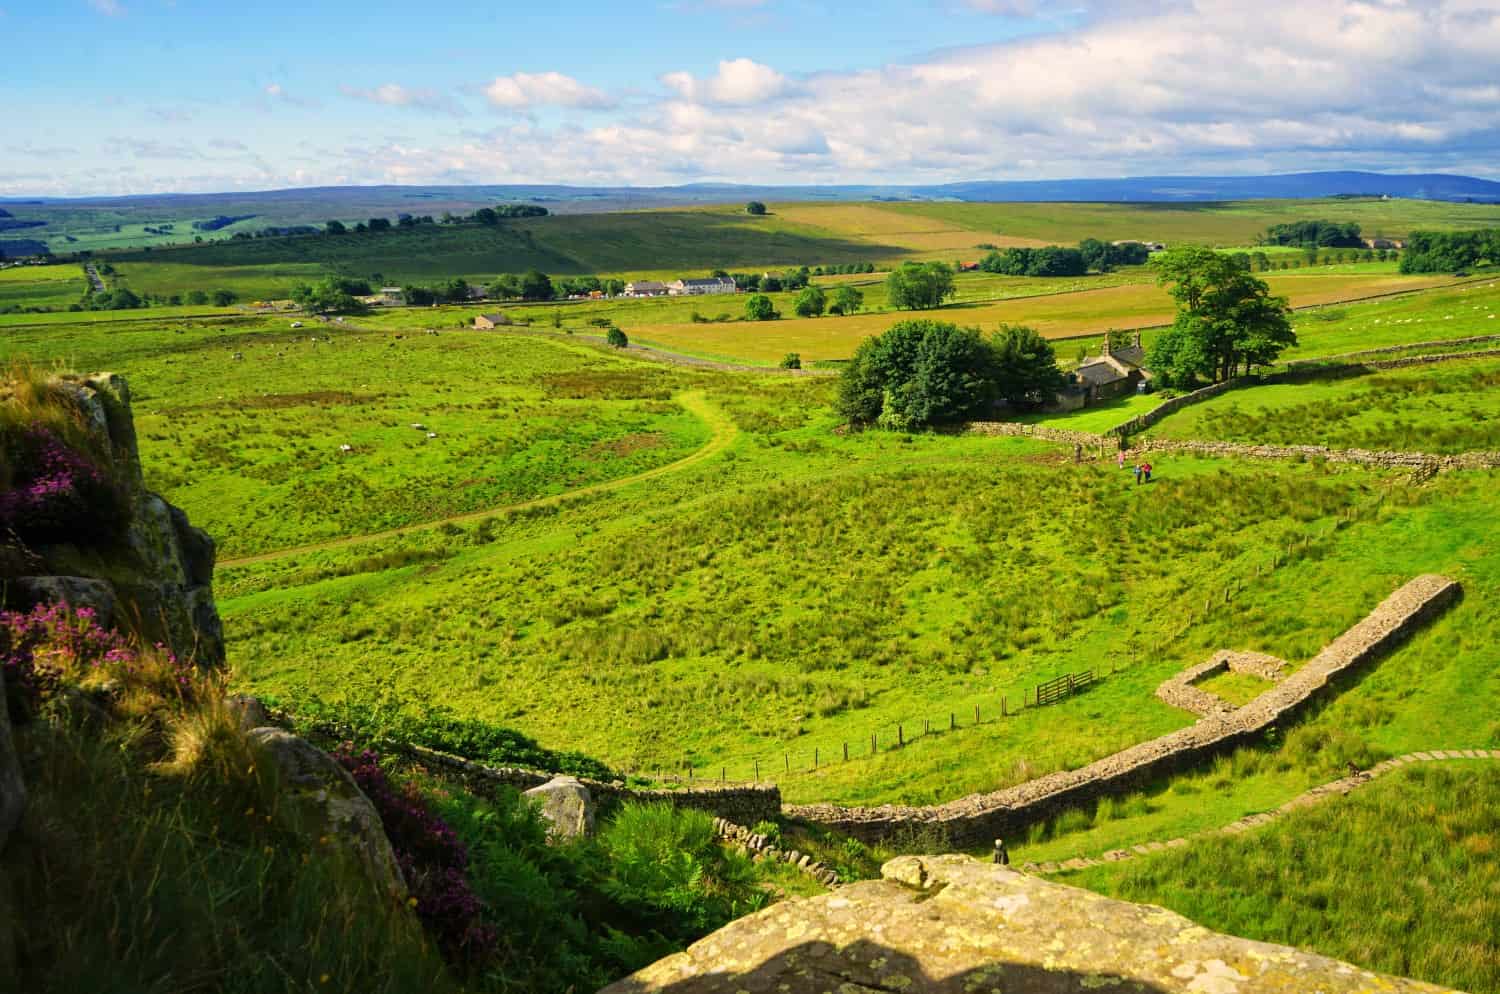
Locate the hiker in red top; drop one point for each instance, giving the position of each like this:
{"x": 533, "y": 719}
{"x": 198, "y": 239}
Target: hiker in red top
{"x": 1146, "y": 469}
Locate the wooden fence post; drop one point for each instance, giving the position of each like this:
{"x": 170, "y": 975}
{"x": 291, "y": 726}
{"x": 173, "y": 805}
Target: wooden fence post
{"x": 1004, "y": 707}
{"x": 976, "y": 714}
{"x": 815, "y": 757}
{"x": 788, "y": 757}
{"x": 900, "y": 735}
{"x": 757, "y": 771}
{"x": 952, "y": 721}
{"x": 846, "y": 752}
{"x": 1070, "y": 685}
{"x": 873, "y": 747}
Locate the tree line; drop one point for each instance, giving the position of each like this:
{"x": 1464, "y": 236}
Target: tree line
{"x": 1056, "y": 260}
{"x": 1450, "y": 251}
{"x": 1315, "y": 234}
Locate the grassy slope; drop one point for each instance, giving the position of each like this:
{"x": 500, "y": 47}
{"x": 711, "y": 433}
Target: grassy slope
{"x": 1401, "y": 876}
{"x": 251, "y": 448}
{"x": 815, "y": 588}
{"x": 1228, "y": 224}
{"x": 1454, "y": 407}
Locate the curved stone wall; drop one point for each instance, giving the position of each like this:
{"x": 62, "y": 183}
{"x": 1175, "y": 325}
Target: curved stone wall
{"x": 977, "y": 819}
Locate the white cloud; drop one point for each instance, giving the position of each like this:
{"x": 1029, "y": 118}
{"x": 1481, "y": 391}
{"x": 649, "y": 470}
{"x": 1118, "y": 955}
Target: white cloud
{"x": 109, "y": 8}
{"x": 396, "y": 95}
{"x": 739, "y": 82}
{"x": 524, "y": 90}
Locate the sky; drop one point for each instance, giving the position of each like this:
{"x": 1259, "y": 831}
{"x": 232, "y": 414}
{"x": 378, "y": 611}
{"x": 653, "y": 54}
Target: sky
{"x": 110, "y": 97}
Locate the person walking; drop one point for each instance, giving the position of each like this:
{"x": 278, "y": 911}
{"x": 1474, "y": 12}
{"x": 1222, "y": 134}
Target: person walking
{"x": 1146, "y": 469}
{"x": 1120, "y": 459}
{"x": 1138, "y": 468}
{"x": 1002, "y": 857}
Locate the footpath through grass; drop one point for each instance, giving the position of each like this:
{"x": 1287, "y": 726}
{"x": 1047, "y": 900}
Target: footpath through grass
{"x": 1402, "y": 876}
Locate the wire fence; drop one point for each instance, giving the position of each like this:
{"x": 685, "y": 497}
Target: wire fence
{"x": 808, "y": 760}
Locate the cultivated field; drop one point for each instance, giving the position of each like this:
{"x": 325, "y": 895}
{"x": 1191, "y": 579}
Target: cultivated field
{"x": 41, "y": 286}
{"x": 1060, "y": 315}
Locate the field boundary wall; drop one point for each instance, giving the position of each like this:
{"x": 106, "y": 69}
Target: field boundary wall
{"x": 977, "y": 819}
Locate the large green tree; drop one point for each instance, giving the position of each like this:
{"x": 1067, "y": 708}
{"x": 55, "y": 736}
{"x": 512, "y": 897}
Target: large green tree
{"x": 811, "y": 302}
{"x": 1227, "y": 320}
{"x": 918, "y": 286}
{"x": 1026, "y": 372}
{"x": 916, "y": 374}
{"x": 758, "y": 307}
{"x": 847, "y": 300}
{"x": 536, "y": 285}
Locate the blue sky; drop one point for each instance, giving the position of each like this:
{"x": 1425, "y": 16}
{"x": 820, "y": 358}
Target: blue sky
{"x": 138, "y": 96}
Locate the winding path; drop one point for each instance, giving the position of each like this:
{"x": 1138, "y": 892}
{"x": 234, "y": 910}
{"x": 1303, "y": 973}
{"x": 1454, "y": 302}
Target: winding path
{"x": 1318, "y": 794}
{"x": 724, "y": 431}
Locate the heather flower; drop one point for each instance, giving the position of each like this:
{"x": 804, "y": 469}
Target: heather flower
{"x": 432, "y": 859}
{"x": 56, "y": 493}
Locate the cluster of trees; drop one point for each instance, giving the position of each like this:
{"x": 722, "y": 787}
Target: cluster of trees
{"x": 1450, "y": 251}
{"x": 1317, "y": 234}
{"x": 494, "y": 215}
{"x": 922, "y": 373}
{"x": 331, "y": 295}
{"x": 919, "y": 286}
{"x": 1227, "y": 320}
{"x": 530, "y": 285}
{"x": 1058, "y": 260}
{"x": 813, "y": 301}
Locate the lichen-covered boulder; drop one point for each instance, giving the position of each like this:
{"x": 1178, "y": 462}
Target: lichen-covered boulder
{"x": 954, "y": 925}
{"x": 325, "y": 804}
{"x": 567, "y": 806}
{"x": 159, "y": 580}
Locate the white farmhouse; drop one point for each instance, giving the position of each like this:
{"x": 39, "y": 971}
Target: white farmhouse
{"x": 699, "y": 288}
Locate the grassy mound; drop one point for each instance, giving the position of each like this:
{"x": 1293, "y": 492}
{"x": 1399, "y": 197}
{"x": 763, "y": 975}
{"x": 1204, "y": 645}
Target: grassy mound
{"x": 1403, "y": 876}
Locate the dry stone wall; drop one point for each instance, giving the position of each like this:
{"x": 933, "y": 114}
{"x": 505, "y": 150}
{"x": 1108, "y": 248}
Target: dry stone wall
{"x": 1016, "y": 429}
{"x": 1377, "y": 458}
{"x": 740, "y": 803}
{"x": 1180, "y": 690}
{"x": 979, "y": 818}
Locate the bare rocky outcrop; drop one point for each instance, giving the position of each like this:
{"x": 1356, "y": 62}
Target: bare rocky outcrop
{"x": 953, "y": 925}
{"x": 327, "y": 807}
{"x": 159, "y": 581}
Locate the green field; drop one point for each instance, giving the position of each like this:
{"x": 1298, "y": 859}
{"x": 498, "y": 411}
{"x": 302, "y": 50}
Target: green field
{"x": 814, "y": 589}
{"x": 41, "y": 286}
{"x": 1402, "y": 877}
{"x": 1222, "y": 224}
{"x": 1446, "y": 408}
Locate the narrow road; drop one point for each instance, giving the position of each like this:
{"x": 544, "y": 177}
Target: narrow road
{"x": 95, "y": 280}
{"x": 724, "y": 431}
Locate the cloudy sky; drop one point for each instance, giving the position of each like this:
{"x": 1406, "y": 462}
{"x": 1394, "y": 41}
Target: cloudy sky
{"x": 140, "y": 96}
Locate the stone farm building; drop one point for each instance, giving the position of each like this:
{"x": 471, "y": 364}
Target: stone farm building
{"x": 1119, "y": 371}
{"x": 646, "y": 288}
{"x": 698, "y": 288}
{"x": 485, "y": 322}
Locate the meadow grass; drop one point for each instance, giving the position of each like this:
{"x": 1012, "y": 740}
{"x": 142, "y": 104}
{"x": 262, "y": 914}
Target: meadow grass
{"x": 42, "y": 286}
{"x": 1400, "y": 876}
{"x": 793, "y": 592}
{"x": 1445, "y": 408}
{"x": 1234, "y": 223}
{"x": 1097, "y": 418}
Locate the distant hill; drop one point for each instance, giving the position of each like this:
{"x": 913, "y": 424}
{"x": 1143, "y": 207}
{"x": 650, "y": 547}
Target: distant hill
{"x": 1429, "y": 186}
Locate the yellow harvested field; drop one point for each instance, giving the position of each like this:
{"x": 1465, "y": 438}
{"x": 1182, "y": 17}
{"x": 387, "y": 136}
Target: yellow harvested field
{"x": 914, "y": 232}
{"x": 1064, "y": 315}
